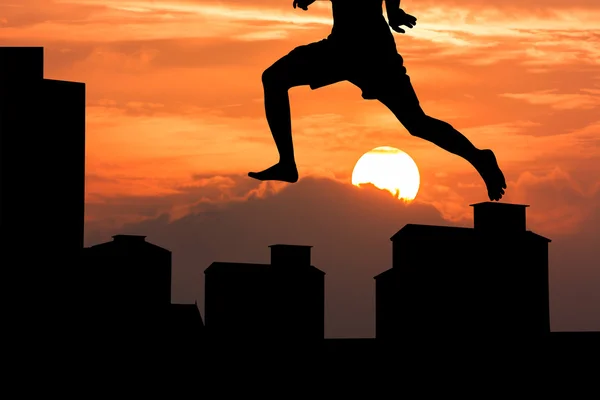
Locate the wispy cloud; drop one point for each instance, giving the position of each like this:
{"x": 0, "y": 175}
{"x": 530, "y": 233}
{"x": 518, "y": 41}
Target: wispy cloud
{"x": 587, "y": 99}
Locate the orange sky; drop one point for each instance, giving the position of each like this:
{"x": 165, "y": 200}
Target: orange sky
{"x": 175, "y": 99}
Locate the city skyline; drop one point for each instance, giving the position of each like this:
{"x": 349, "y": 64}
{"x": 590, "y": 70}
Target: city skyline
{"x": 445, "y": 283}
{"x": 170, "y": 86}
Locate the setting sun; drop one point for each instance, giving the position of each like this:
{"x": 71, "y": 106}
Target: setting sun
{"x": 390, "y": 169}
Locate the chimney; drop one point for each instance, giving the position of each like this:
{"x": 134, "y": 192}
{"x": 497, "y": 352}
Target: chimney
{"x": 492, "y": 217}
{"x": 21, "y": 64}
{"x": 128, "y": 238}
{"x": 288, "y": 255}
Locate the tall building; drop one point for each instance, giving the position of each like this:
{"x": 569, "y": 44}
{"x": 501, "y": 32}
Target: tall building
{"x": 281, "y": 300}
{"x": 488, "y": 280}
{"x": 42, "y": 177}
{"x": 42, "y": 158}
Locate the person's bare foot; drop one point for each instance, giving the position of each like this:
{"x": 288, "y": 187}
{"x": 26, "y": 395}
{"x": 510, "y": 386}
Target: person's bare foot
{"x": 278, "y": 172}
{"x": 488, "y": 168}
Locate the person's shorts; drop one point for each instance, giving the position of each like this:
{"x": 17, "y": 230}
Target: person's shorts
{"x": 376, "y": 71}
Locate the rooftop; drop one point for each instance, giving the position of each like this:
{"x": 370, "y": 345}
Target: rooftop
{"x": 231, "y": 267}
{"x": 290, "y": 245}
{"x": 125, "y": 242}
{"x": 245, "y": 268}
{"x": 494, "y": 204}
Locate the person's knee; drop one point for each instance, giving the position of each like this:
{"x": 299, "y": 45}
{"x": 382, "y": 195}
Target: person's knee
{"x": 274, "y": 77}
{"x": 416, "y": 129}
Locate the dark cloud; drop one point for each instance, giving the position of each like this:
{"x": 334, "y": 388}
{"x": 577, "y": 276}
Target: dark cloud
{"x": 561, "y": 204}
{"x": 575, "y": 276}
{"x": 349, "y": 228}
{"x": 204, "y": 192}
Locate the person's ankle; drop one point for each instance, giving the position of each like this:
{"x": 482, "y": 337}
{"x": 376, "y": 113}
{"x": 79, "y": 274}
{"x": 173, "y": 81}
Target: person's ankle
{"x": 287, "y": 162}
{"x": 474, "y": 156}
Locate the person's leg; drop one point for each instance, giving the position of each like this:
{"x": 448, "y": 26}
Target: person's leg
{"x": 277, "y": 80}
{"x": 302, "y": 66}
{"x": 404, "y": 104}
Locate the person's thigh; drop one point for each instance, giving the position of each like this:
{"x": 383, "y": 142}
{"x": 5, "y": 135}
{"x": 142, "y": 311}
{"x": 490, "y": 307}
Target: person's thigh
{"x": 314, "y": 64}
{"x": 384, "y": 78}
{"x": 400, "y": 98}
{"x": 398, "y": 94}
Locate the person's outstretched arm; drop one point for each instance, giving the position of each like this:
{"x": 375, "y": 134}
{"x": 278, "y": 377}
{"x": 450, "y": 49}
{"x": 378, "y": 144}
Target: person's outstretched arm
{"x": 397, "y": 17}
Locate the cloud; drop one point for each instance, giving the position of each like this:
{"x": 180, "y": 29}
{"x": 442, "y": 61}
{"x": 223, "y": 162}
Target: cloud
{"x": 586, "y": 100}
{"x": 507, "y": 31}
{"x": 576, "y": 276}
{"x": 561, "y": 205}
{"x": 560, "y": 190}
{"x": 28, "y": 13}
{"x": 110, "y": 200}
{"x": 349, "y": 228}
{"x": 539, "y": 6}
{"x": 111, "y": 20}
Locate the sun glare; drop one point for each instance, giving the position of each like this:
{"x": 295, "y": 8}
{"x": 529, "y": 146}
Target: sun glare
{"x": 389, "y": 169}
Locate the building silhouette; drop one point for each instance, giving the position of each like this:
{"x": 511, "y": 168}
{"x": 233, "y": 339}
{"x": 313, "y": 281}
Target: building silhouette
{"x": 129, "y": 288}
{"x": 488, "y": 280}
{"x": 42, "y": 160}
{"x": 42, "y": 178}
{"x": 281, "y": 300}
{"x": 185, "y": 323}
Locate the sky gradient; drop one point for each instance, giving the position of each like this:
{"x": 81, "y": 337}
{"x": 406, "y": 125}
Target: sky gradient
{"x": 175, "y": 120}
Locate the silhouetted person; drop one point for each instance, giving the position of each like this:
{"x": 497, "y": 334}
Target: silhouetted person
{"x": 361, "y": 49}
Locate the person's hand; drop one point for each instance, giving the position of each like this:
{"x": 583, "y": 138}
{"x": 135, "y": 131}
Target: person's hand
{"x": 303, "y": 4}
{"x": 399, "y": 18}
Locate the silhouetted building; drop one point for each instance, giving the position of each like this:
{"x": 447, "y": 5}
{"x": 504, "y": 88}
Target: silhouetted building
{"x": 42, "y": 177}
{"x": 281, "y": 300}
{"x": 129, "y": 283}
{"x": 185, "y": 323}
{"x": 236, "y": 300}
{"x": 450, "y": 281}
{"x": 21, "y": 64}
{"x": 42, "y": 160}
{"x": 298, "y": 293}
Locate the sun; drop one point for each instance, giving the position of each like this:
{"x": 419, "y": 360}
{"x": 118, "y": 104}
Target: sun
{"x": 390, "y": 169}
